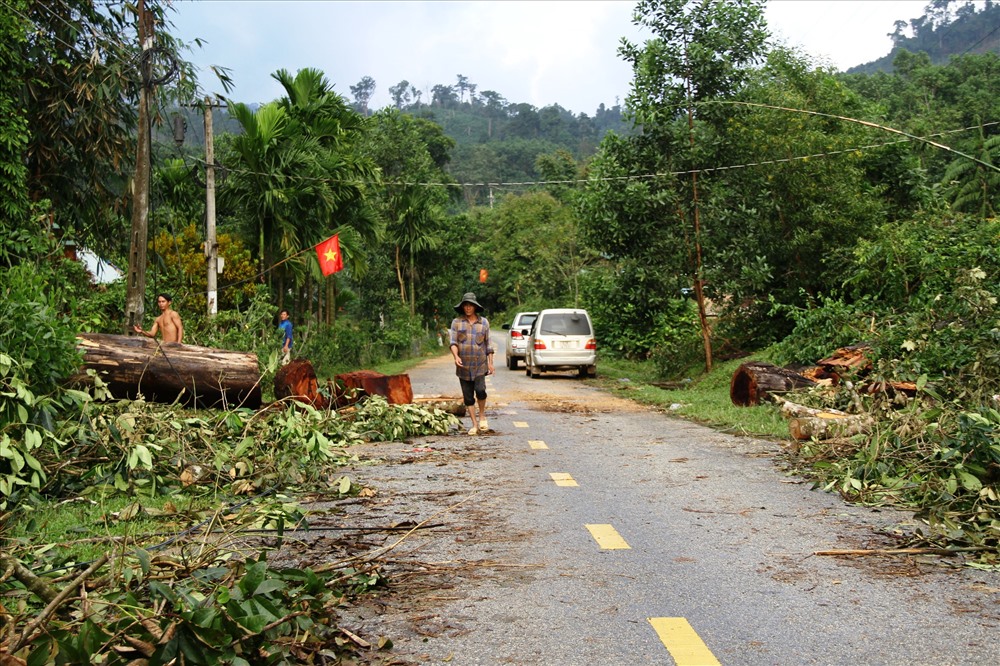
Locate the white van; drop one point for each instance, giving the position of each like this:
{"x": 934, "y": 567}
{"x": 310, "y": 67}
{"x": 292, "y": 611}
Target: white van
{"x": 561, "y": 339}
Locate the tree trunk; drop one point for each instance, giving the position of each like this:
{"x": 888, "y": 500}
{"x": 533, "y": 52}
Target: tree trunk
{"x": 753, "y": 382}
{"x": 165, "y": 372}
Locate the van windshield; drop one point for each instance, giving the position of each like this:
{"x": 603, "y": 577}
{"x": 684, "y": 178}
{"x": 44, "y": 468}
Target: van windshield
{"x": 565, "y": 323}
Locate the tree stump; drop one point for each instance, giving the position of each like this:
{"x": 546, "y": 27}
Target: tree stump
{"x": 753, "y": 382}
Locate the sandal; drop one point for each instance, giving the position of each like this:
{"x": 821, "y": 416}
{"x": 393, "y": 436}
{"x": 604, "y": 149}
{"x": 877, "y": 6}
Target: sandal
{"x": 484, "y": 426}
{"x": 473, "y": 431}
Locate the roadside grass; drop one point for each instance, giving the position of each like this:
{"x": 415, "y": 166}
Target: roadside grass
{"x": 703, "y": 398}
{"x": 87, "y": 528}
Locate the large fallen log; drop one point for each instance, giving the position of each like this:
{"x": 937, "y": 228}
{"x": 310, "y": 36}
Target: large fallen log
{"x": 754, "y": 382}
{"x": 165, "y": 372}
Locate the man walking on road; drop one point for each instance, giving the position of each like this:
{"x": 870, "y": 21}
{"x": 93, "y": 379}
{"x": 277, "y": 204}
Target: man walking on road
{"x": 473, "y": 354}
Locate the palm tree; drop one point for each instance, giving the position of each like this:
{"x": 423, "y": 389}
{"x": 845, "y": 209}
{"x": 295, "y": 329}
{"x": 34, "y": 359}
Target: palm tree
{"x": 297, "y": 169}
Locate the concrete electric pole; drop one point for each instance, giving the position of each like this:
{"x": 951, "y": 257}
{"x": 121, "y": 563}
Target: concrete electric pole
{"x": 211, "y": 246}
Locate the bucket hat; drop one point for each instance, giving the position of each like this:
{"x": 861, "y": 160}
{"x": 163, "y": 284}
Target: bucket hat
{"x": 469, "y": 297}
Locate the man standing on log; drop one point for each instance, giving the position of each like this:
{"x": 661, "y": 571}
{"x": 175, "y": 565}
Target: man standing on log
{"x": 169, "y": 322}
{"x": 285, "y": 326}
{"x": 473, "y": 354}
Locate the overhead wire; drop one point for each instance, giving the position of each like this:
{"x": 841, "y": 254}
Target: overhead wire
{"x": 644, "y": 176}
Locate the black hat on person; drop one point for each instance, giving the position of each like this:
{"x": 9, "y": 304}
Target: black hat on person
{"x": 468, "y": 298}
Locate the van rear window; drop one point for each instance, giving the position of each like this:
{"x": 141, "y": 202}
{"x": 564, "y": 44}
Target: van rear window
{"x": 566, "y": 323}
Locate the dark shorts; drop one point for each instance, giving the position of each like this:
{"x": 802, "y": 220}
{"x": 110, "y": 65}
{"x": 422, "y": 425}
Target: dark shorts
{"x": 473, "y": 389}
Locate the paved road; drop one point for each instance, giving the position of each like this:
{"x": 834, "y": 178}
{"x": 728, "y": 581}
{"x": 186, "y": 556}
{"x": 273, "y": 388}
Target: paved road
{"x": 714, "y": 564}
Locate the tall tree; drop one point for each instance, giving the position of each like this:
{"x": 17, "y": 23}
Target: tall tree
{"x": 700, "y": 50}
{"x": 414, "y": 193}
{"x": 400, "y": 94}
{"x": 79, "y": 96}
{"x": 297, "y": 174}
{"x": 13, "y": 129}
{"x": 363, "y": 91}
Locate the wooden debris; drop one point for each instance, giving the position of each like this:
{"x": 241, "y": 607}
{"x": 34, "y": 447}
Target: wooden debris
{"x": 297, "y": 380}
{"x": 165, "y": 372}
{"x": 395, "y": 389}
{"x": 828, "y": 426}
{"x": 753, "y": 382}
{"x": 790, "y": 409}
{"x": 449, "y": 404}
{"x": 851, "y": 358}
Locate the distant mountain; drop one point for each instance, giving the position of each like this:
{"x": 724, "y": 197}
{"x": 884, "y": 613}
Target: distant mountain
{"x": 947, "y": 29}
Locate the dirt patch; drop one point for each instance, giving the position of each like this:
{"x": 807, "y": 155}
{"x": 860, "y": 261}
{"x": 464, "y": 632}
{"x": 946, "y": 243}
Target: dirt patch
{"x": 599, "y": 403}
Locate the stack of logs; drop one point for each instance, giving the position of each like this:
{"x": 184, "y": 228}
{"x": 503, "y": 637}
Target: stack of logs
{"x": 756, "y": 382}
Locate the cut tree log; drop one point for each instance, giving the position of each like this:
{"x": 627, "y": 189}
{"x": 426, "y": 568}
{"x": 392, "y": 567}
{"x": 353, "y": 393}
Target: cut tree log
{"x": 445, "y": 403}
{"x": 395, "y": 389}
{"x": 297, "y": 379}
{"x": 170, "y": 371}
{"x": 829, "y": 426}
{"x": 754, "y": 382}
{"x": 791, "y": 409}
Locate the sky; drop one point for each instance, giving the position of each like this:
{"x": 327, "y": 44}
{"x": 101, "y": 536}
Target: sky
{"x": 536, "y": 51}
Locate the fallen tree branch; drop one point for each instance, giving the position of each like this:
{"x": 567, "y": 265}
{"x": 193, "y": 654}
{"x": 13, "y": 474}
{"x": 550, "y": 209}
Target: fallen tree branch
{"x": 56, "y": 602}
{"x": 33, "y": 583}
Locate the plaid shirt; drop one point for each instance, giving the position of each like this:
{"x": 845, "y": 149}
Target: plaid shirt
{"x": 473, "y": 342}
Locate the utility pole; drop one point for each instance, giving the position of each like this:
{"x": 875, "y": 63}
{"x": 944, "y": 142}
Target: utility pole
{"x": 136, "y": 287}
{"x": 211, "y": 246}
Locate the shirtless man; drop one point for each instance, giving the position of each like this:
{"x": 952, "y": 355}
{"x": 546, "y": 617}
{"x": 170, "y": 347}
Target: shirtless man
{"x": 169, "y": 322}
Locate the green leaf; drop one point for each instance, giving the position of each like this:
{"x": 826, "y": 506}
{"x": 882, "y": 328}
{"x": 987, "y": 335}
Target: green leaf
{"x": 969, "y": 481}
{"x": 144, "y": 562}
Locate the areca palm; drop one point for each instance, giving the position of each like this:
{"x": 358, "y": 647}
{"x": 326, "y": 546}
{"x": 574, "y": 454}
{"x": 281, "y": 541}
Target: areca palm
{"x": 298, "y": 170}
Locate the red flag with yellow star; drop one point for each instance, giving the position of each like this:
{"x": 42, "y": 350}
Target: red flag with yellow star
{"x": 328, "y": 252}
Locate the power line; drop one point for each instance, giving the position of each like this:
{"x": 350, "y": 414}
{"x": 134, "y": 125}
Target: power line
{"x": 645, "y": 176}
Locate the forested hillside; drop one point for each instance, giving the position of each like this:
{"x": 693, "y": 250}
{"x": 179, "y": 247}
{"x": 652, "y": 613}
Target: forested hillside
{"x": 945, "y": 29}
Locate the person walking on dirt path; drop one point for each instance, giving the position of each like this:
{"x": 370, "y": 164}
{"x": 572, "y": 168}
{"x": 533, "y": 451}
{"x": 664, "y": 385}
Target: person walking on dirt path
{"x": 168, "y": 323}
{"x": 472, "y": 351}
{"x": 285, "y": 326}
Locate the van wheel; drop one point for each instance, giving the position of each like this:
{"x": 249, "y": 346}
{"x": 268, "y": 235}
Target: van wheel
{"x": 581, "y": 372}
{"x": 512, "y": 362}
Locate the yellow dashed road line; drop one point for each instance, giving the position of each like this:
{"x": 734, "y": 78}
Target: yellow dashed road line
{"x": 563, "y": 479}
{"x": 607, "y": 538}
{"x": 520, "y": 424}
{"x": 683, "y": 642}
{"x": 537, "y": 444}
